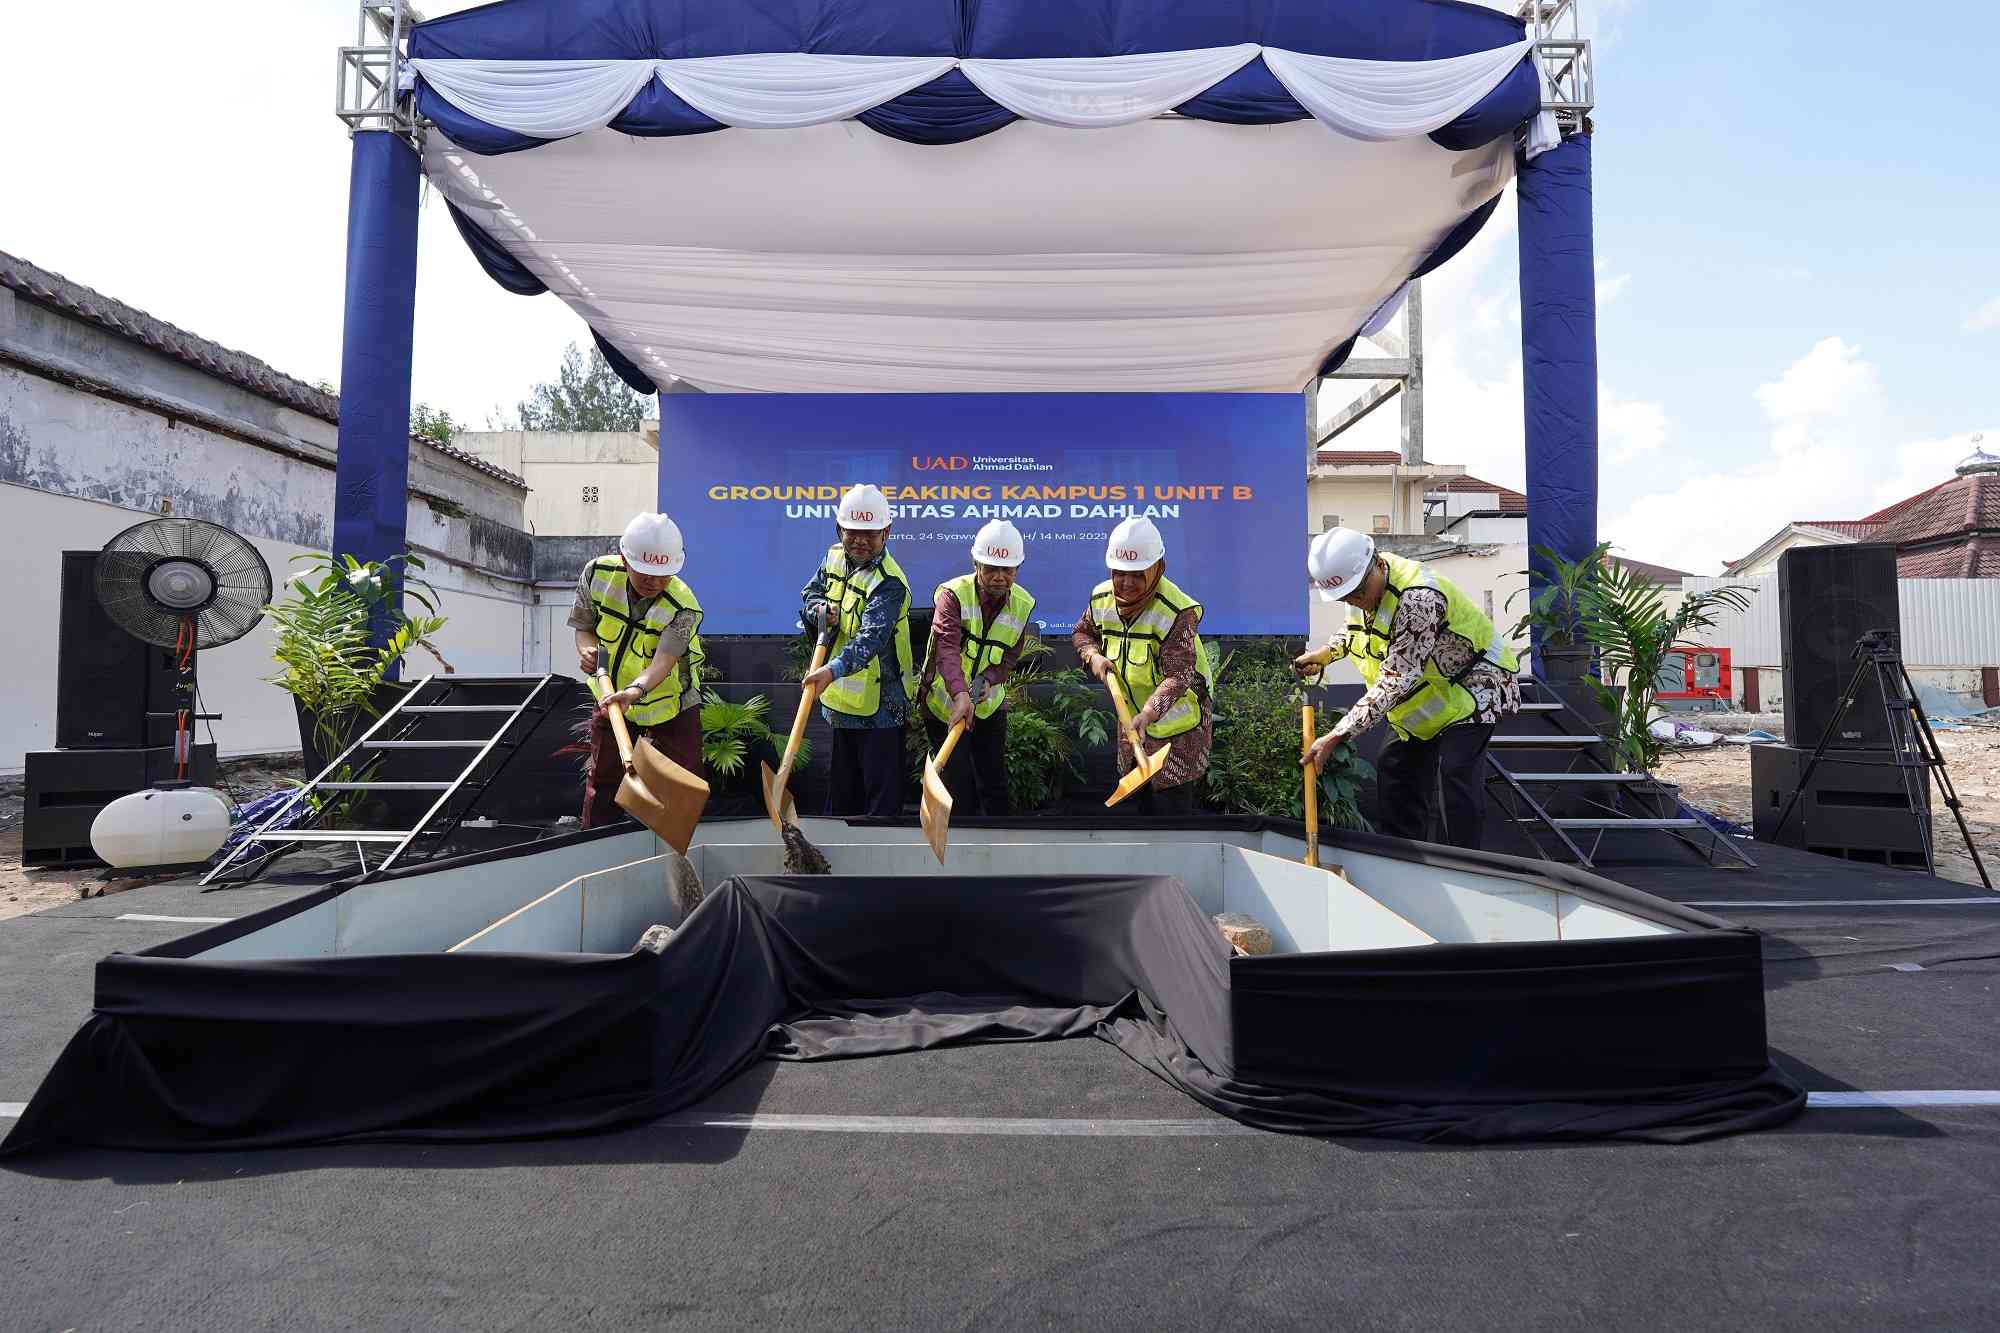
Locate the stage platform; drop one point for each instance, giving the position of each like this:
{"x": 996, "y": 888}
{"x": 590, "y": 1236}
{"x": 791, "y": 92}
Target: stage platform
{"x": 1059, "y": 1184}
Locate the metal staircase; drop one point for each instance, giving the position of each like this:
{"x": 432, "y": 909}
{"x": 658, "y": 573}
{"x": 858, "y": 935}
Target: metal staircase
{"x": 422, "y": 766}
{"x": 1546, "y": 772}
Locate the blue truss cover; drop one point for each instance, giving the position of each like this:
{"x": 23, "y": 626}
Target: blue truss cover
{"x": 1559, "y": 349}
{"x": 950, "y": 109}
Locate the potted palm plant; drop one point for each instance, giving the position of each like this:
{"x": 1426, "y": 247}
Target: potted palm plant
{"x": 341, "y": 631}
{"x": 1554, "y": 616}
{"x": 1624, "y": 618}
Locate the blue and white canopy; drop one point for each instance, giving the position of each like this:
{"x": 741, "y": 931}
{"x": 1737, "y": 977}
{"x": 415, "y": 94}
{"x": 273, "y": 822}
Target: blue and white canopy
{"x": 892, "y": 195}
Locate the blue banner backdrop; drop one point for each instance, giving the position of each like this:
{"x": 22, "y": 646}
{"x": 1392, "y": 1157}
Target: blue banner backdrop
{"x": 753, "y": 481}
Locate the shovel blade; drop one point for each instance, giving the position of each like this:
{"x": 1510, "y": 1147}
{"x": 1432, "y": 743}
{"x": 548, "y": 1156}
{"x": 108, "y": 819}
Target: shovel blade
{"x": 778, "y": 803}
{"x": 1145, "y": 768}
{"x": 680, "y": 794}
{"x": 935, "y": 810}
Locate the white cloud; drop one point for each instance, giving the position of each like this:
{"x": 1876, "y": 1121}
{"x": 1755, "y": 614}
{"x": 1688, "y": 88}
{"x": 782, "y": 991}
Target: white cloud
{"x": 1609, "y": 284}
{"x": 1628, "y": 429}
{"x": 1827, "y": 416}
{"x": 1984, "y": 318}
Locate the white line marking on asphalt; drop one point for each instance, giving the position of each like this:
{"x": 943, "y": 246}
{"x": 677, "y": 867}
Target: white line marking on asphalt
{"x": 1051, "y": 1128}
{"x": 191, "y": 920}
{"x": 1855, "y": 902}
{"x": 1856, "y": 1101}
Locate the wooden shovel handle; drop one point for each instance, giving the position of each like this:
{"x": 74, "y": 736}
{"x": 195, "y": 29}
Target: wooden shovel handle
{"x": 806, "y": 699}
{"x": 950, "y": 744}
{"x": 1310, "y": 733}
{"x": 1125, "y": 722}
{"x": 602, "y": 689}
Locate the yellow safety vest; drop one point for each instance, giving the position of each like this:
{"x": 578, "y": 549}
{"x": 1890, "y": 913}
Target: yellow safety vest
{"x": 860, "y": 695}
{"x": 1442, "y": 700}
{"x": 980, "y": 646}
{"x": 1134, "y": 651}
{"x": 626, "y": 644}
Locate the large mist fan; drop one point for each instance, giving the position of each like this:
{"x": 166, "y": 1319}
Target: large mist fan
{"x": 157, "y": 577}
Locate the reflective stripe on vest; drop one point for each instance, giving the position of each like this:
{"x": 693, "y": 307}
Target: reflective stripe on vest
{"x": 981, "y": 646}
{"x": 1134, "y": 651}
{"x": 1442, "y": 701}
{"x": 860, "y": 695}
{"x": 625, "y": 644}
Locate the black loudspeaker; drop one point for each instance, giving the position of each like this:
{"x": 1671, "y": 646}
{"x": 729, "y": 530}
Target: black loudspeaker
{"x": 66, "y": 789}
{"x": 1828, "y": 597}
{"x": 1856, "y": 808}
{"x": 106, "y": 680}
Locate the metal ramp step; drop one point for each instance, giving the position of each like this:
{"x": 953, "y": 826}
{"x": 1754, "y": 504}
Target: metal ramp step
{"x": 368, "y": 764}
{"x": 1617, "y": 822}
{"x": 1623, "y": 778}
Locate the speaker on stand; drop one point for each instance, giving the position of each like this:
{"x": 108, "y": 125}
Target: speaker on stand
{"x": 1856, "y": 804}
{"x": 133, "y": 616}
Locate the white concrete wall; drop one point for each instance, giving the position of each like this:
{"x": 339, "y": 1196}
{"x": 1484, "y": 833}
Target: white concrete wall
{"x": 1357, "y": 500}
{"x": 558, "y": 466}
{"x": 77, "y": 467}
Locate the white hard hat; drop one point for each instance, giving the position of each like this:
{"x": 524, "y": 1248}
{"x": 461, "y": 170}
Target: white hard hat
{"x": 864, "y": 507}
{"x": 1135, "y": 545}
{"x": 652, "y": 545}
{"x": 1337, "y": 562}
{"x": 998, "y": 543}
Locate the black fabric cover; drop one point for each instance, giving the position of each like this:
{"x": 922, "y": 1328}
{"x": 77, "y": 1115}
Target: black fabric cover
{"x": 1658, "y": 1038}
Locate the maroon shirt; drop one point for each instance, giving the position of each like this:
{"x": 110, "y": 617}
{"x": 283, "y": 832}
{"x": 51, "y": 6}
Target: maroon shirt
{"x": 948, "y": 634}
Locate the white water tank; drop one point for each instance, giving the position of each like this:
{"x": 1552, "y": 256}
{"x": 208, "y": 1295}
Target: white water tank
{"x": 165, "y": 826}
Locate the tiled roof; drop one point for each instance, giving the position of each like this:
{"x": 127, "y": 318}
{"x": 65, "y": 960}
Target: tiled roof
{"x": 1890, "y": 511}
{"x": 1967, "y": 558}
{"x": 1664, "y": 575}
{"x": 238, "y": 368}
{"x": 1857, "y": 528}
{"x": 1507, "y": 501}
{"x": 1358, "y": 457}
{"x": 1962, "y": 505}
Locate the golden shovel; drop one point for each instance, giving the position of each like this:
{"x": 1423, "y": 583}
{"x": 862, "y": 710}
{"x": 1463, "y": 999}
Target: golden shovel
{"x": 1312, "y": 786}
{"x": 777, "y": 801}
{"x": 657, "y": 792}
{"x": 1144, "y": 766}
{"x": 935, "y": 811}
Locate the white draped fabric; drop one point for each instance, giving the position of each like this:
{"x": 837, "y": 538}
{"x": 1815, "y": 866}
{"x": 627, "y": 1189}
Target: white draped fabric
{"x": 1386, "y": 99}
{"x": 790, "y": 90}
{"x": 1373, "y": 100}
{"x": 549, "y": 99}
{"x": 1096, "y": 92}
{"x": 1168, "y": 254}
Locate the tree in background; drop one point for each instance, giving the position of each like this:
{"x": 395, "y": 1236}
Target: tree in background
{"x": 433, "y": 424}
{"x": 586, "y": 394}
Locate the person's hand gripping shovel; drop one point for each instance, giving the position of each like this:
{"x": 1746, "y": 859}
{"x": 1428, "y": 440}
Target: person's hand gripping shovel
{"x": 656, "y": 791}
{"x": 1145, "y": 767}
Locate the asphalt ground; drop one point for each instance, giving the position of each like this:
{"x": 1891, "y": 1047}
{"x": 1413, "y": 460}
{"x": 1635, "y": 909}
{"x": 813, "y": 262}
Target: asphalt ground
{"x": 1059, "y": 1185}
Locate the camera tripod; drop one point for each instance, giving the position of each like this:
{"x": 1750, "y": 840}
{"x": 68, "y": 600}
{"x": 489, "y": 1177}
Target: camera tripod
{"x": 1910, "y": 739}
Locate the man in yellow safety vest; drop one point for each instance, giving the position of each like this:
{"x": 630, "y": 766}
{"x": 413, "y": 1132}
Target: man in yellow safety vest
{"x": 1435, "y": 670}
{"x": 637, "y": 619}
{"x": 1143, "y": 629}
{"x": 867, "y": 682}
{"x": 978, "y": 624}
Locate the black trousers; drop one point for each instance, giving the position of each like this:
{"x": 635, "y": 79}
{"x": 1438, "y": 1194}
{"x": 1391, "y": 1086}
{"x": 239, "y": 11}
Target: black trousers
{"x": 1444, "y": 778}
{"x": 866, "y": 777}
{"x": 976, "y": 773}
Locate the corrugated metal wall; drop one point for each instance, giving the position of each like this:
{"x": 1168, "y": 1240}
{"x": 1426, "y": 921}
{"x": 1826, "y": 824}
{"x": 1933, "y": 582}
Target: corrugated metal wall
{"x": 1946, "y": 622}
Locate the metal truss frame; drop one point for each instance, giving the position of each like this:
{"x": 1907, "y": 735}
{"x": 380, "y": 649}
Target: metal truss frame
{"x": 368, "y": 76}
{"x": 1569, "y": 78}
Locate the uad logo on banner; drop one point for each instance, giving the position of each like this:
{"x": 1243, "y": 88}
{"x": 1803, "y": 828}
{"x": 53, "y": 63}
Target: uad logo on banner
{"x": 939, "y": 463}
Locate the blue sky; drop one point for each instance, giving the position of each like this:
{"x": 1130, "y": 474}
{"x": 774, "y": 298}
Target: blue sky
{"x": 1798, "y": 225}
